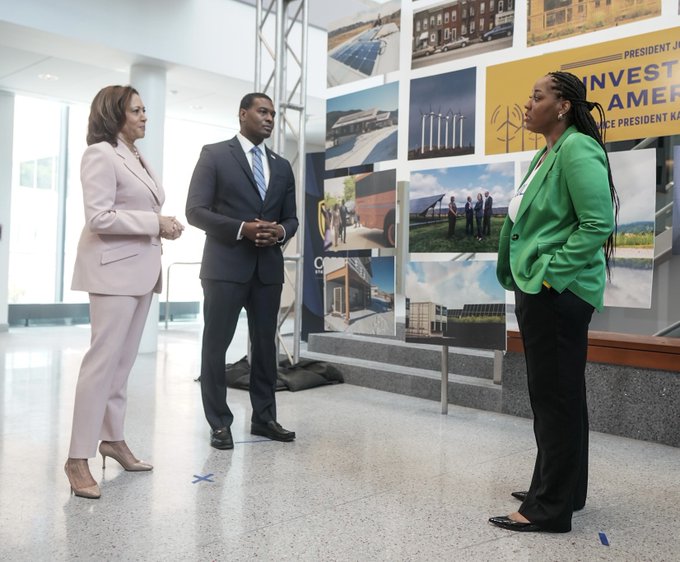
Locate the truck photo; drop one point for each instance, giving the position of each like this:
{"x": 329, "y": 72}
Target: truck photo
{"x": 376, "y": 203}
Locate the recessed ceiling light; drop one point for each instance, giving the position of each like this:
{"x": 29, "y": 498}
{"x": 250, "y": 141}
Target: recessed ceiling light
{"x": 196, "y": 107}
{"x": 47, "y": 76}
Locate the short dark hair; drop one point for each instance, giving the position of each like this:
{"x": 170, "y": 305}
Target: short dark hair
{"x": 248, "y": 100}
{"x": 107, "y": 114}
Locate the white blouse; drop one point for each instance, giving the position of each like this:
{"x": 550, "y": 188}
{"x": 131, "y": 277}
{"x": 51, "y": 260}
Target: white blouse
{"x": 516, "y": 200}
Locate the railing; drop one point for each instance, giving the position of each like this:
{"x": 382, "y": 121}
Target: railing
{"x": 167, "y": 287}
{"x": 669, "y": 329}
{"x": 295, "y": 307}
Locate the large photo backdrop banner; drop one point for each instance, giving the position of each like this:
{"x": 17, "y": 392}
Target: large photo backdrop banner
{"x": 636, "y": 79}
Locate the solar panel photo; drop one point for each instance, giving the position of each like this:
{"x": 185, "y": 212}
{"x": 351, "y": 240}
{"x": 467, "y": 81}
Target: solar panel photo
{"x": 360, "y": 56}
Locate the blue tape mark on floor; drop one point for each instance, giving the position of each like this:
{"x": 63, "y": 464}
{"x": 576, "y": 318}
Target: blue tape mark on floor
{"x": 603, "y": 539}
{"x": 205, "y": 478}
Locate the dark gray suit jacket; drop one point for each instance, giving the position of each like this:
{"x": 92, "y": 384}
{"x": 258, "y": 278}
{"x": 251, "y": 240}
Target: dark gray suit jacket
{"x": 222, "y": 195}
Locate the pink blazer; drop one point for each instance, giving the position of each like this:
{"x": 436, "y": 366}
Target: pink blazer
{"x": 119, "y": 252}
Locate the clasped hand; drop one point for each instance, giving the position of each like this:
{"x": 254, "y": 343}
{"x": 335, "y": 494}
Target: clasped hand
{"x": 262, "y": 233}
{"x": 170, "y": 227}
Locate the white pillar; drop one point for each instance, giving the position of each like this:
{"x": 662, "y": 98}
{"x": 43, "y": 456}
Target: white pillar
{"x": 149, "y": 81}
{"x": 446, "y": 133}
{"x": 6, "y": 145}
{"x": 453, "y": 133}
{"x": 431, "y": 129}
{"x": 422, "y": 135}
{"x": 461, "y": 131}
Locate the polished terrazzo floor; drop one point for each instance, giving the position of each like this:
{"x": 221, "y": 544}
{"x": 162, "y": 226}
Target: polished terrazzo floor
{"x": 372, "y": 475}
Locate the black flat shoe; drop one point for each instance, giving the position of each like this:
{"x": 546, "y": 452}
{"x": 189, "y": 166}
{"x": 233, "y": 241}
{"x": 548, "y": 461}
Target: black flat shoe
{"x": 221, "y": 438}
{"x": 521, "y": 496}
{"x": 504, "y": 522}
{"x": 272, "y": 430}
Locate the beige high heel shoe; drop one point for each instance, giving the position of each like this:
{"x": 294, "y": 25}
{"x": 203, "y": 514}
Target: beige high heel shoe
{"x": 80, "y": 479}
{"x": 119, "y": 451}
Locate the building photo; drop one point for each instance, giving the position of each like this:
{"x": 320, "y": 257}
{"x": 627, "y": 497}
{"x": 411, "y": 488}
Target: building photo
{"x": 361, "y": 128}
{"x": 359, "y": 295}
{"x": 461, "y": 29}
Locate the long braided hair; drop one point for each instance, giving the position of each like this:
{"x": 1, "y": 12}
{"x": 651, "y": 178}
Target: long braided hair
{"x": 568, "y": 86}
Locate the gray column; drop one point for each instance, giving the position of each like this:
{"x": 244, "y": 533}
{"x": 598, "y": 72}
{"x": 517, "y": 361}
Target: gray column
{"x": 149, "y": 81}
{"x": 6, "y": 144}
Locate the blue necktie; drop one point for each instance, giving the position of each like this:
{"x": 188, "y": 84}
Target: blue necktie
{"x": 258, "y": 171}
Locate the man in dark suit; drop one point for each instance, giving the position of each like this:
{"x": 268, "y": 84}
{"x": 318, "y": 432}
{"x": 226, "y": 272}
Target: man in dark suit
{"x": 488, "y": 206}
{"x": 244, "y": 200}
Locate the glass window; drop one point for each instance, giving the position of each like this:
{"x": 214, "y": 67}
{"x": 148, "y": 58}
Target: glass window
{"x": 182, "y": 147}
{"x": 37, "y": 248}
{"x": 33, "y": 245}
{"x": 75, "y": 215}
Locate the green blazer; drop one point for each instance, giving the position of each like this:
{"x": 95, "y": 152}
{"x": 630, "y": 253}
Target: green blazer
{"x": 562, "y": 223}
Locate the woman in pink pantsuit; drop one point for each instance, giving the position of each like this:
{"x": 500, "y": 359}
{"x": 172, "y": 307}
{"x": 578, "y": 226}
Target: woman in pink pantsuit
{"x": 119, "y": 264}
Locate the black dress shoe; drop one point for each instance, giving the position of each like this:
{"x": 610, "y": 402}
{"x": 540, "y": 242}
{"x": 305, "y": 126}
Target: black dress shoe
{"x": 273, "y": 430}
{"x": 505, "y": 522}
{"x": 221, "y": 438}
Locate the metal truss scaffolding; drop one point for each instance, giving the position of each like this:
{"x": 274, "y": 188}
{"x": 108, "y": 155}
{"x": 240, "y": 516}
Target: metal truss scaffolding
{"x": 289, "y": 20}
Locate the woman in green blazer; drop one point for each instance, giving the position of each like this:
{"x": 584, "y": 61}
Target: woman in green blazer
{"x": 554, "y": 253}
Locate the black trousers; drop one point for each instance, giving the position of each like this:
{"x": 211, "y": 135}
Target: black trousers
{"x": 469, "y": 228}
{"x": 486, "y": 226}
{"x": 222, "y": 305}
{"x": 554, "y": 328}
